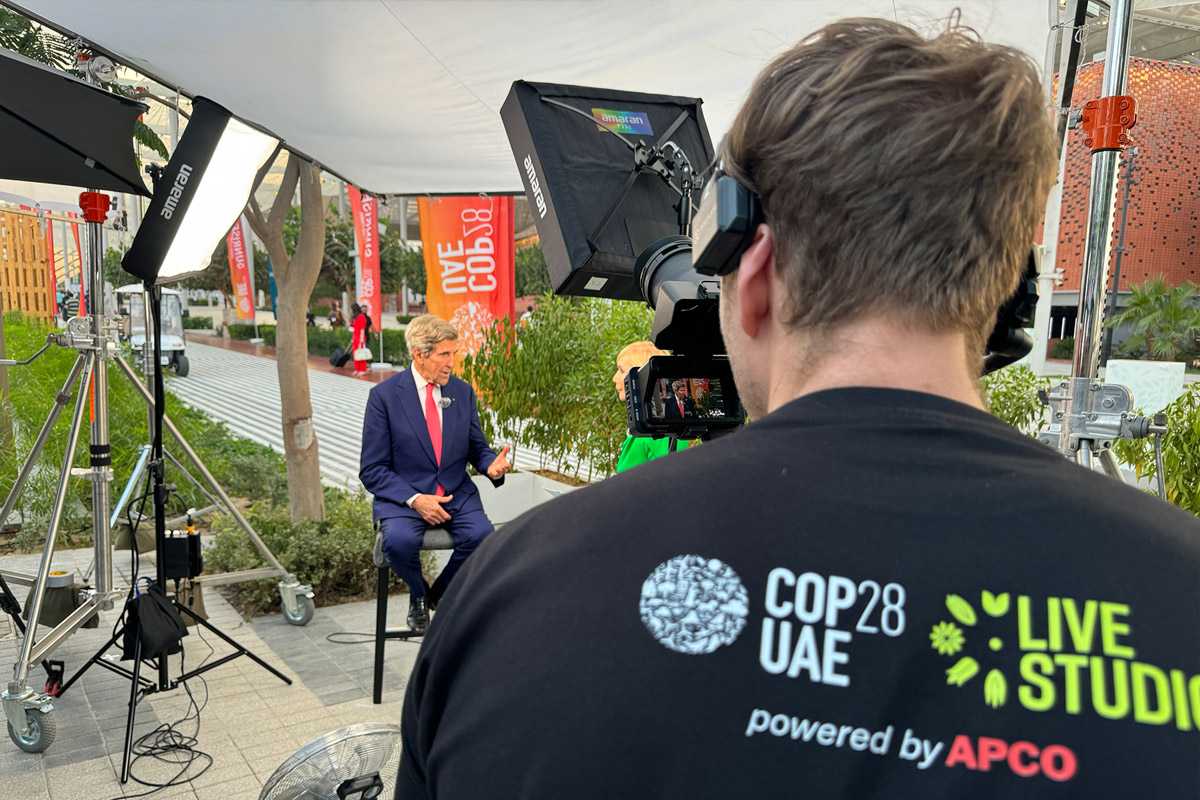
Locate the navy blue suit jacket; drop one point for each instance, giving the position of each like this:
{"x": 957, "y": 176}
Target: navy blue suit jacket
{"x": 397, "y": 458}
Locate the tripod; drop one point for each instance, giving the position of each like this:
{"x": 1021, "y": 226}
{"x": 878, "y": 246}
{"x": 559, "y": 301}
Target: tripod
{"x": 93, "y": 335}
{"x": 139, "y": 687}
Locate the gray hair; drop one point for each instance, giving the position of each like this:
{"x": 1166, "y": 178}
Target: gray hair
{"x": 425, "y": 332}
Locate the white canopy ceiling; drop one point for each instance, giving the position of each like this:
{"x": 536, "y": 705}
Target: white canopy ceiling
{"x": 403, "y": 96}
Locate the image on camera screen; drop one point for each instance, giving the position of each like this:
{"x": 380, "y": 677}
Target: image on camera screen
{"x": 686, "y": 398}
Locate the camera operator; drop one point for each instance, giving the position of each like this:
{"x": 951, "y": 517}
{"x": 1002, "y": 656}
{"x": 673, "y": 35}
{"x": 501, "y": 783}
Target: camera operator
{"x": 876, "y": 589}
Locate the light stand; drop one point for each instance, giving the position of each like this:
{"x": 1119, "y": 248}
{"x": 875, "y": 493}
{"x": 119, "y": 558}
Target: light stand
{"x": 27, "y": 711}
{"x": 1087, "y": 416}
{"x": 221, "y": 157}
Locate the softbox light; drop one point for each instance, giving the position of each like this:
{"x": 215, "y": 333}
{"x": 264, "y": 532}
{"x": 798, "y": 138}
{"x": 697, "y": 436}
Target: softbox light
{"x": 595, "y": 210}
{"x": 199, "y": 195}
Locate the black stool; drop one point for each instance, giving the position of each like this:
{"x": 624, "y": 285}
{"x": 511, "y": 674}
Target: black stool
{"x": 435, "y": 539}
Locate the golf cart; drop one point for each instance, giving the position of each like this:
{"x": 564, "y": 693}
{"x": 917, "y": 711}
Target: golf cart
{"x": 129, "y": 300}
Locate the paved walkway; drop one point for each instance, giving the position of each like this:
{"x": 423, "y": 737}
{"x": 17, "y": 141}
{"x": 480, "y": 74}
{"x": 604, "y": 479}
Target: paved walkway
{"x": 251, "y": 723}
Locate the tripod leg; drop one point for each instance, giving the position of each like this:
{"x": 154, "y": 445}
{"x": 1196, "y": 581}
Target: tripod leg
{"x": 134, "y": 688}
{"x": 21, "y": 672}
{"x": 95, "y": 657}
{"x": 208, "y": 626}
{"x": 135, "y": 477}
{"x": 1108, "y": 460}
{"x": 381, "y": 601}
{"x": 60, "y": 402}
{"x": 258, "y": 543}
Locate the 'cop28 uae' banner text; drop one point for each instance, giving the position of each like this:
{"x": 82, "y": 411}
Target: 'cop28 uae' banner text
{"x": 240, "y": 275}
{"x": 365, "y": 210}
{"x": 469, "y": 274}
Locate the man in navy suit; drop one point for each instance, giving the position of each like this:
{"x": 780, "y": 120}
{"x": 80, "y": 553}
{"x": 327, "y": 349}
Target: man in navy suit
{"x": 679, "y": 404}
{"x": 420, "y": 431}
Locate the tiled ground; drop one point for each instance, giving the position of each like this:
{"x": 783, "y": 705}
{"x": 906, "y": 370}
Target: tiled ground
{"x": 251, "y": 723}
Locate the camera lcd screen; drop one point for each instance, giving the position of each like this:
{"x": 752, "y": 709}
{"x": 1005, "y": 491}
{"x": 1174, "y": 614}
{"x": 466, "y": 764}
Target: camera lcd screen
{"x": 683, "y": 397}
{"x": 691, "y": 399}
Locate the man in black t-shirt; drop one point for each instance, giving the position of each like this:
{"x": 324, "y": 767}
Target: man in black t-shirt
{"x": 876, "y": 589}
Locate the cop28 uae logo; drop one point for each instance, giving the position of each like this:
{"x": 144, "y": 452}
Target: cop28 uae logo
{"x": 692, "y": 604}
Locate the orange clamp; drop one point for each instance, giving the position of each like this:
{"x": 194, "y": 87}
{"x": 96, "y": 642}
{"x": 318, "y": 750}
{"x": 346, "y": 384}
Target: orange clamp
{"x": 95, "y": 206}
{"x": 1106, "y": 122}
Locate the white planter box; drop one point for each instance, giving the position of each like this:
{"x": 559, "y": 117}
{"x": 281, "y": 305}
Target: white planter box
{"x": 521, "y": 491}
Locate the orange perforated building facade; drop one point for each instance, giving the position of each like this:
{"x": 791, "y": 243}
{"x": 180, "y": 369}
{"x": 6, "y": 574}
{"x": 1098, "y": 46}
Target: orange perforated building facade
{"x": 1162, "y": 229}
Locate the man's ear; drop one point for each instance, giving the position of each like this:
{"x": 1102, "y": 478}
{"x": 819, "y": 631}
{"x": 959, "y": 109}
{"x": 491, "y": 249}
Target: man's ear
{"x": 755, "y": 273}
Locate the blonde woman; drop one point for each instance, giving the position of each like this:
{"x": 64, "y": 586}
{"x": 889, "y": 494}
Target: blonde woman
{"x": 639, "y": 449}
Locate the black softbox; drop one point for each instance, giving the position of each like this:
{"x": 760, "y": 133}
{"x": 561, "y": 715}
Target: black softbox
{"x": 199, "y": 194}
{"x": 57, "y": 129}
{"x": 594, "y": 213}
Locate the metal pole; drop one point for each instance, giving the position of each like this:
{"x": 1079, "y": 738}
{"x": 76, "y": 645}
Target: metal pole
{"x": 212, "y": 482}
{"x": 1104, "y": 180}
{"x": 1085, "y": 363}
{"x": 101, "y": 452}
{"x": 21, "y": 670}
{"x": 1113, "y": 296}
{"x": 149, "y": 358}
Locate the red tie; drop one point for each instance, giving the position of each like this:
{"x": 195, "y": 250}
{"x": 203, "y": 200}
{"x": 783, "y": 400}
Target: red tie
{"x": 435, "y": 429}
{"x": 680, "y": 404}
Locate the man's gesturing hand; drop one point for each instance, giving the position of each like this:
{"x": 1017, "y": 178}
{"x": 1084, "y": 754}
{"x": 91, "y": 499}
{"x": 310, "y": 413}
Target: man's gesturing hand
{"x": 429, "y": 506}
{"x": 500, "y": 466}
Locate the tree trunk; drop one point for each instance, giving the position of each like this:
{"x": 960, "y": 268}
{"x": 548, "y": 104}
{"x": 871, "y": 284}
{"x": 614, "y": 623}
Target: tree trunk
{"x": 305, "y": 496}
{"x": 295, "y": 276}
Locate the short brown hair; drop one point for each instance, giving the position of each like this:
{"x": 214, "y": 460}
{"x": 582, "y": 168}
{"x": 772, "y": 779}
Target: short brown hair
{"x": 900, "y": 174}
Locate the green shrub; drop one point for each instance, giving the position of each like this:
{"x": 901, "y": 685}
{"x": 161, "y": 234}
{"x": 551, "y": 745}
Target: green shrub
{"x": 1181, "y": 451}
{"x": 244, "y": 331}
{"x": 1163, "y": 320}
{"x": 548, "y": 383}
{"x": 197, "y": 323}
{"x": 404, "y": 319}
{"x": 1063, "y": 348}
{"x": 334, "y": 556}
{"x": 1012, "y": 396}
{"x": 244, "y": 468}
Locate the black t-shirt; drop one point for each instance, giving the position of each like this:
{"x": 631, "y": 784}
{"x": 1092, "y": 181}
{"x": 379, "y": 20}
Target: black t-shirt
{"x": 866, "y": 594}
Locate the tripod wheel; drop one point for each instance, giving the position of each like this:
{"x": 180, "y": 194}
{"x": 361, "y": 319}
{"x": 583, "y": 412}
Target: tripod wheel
{"x": 42, "y": 729}
{"x": 304, "y": 613}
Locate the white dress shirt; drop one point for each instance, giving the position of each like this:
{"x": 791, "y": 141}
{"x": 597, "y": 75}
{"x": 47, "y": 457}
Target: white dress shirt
{"x": 420, "y": 381}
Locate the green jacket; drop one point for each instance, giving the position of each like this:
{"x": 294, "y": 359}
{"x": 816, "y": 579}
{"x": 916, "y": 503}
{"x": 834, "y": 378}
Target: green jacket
{"x": 640, "y": 449}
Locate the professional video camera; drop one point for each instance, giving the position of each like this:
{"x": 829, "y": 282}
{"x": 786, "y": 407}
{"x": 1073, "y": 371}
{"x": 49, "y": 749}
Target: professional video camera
{"x": 615, "y": 179}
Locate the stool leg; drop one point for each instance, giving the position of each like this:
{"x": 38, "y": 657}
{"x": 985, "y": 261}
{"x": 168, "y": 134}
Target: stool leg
{"x": 381, "y": 603}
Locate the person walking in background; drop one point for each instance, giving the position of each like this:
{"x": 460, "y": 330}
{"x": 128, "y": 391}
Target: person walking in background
{"x": 335, "y": 315}
{"x": 359, "y": 348}
{"x": 639, "y": 449}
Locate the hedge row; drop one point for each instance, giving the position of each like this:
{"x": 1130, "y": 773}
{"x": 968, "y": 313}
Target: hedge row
{"x": 197, "y": 323}
{"x": 323, "y": 341}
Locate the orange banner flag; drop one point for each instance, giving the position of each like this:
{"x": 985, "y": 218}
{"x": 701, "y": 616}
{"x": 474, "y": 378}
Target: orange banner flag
{"x": 469, "y": 267}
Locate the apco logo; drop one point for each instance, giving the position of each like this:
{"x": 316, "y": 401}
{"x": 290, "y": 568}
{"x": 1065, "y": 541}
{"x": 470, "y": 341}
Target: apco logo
{"x": 181, "y": 179}
{"x": 1072, "y": 656}
{"x": 635, "y": 122}
{"x": 535, "y": 186}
